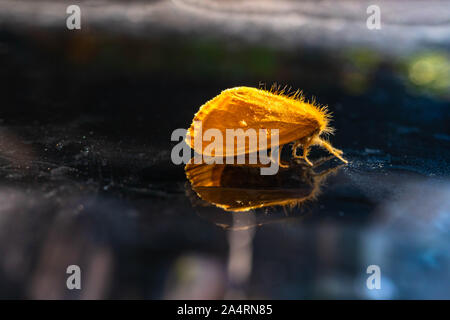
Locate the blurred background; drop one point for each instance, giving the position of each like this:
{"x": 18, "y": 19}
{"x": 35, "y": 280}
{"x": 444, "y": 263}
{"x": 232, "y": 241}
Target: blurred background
{"x": 86, "y": 176}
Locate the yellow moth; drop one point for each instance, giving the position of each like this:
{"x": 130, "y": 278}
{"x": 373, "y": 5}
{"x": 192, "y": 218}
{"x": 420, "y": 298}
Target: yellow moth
{"x": 298, "y": 121}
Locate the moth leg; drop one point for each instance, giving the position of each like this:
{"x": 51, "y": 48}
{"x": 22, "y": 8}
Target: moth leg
{"x": 294, "y": 150}
{"x": 336, "y": 152}
{"x": 305, "y": 152}
{"x": 279, "y": 157}
{"x": 305, "y": 155}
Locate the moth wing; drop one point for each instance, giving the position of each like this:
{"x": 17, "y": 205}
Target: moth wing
{"x": 231, "y": 110}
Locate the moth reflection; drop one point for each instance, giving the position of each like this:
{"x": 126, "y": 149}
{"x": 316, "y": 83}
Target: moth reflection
{"x": 239, "y": 188}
